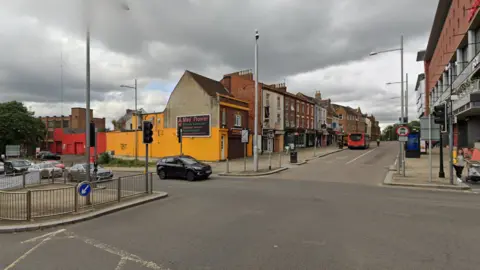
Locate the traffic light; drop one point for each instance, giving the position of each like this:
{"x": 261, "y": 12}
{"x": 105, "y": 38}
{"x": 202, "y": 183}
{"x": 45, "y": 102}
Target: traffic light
{"x": 147, "y": 132}
{"x": 179, "y": 133}
{"x": 439, "y": 114}
{"x": 92, "y": 134}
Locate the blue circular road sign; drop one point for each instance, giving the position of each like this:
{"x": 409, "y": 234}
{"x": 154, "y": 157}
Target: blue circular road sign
{"x": 84, "y": 188}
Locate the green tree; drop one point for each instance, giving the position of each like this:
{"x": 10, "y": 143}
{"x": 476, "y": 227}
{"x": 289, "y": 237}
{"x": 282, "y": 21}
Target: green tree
{"x": 18, "y": 126}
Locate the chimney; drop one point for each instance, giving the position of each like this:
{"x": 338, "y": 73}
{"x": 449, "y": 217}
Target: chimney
{"x": 318, "y": 95}
{"x": 329, "y": 102}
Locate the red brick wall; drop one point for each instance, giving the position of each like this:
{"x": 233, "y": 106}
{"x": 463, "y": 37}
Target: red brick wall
{"x": 242, "y": 87}
{"x": 456, "y": 23}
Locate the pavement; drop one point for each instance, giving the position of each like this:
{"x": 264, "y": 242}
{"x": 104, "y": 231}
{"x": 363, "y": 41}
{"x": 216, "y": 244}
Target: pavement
{"x": 267, "y": 163}
{"x": 417, "y": 173}
{"x": 331, "y": 213}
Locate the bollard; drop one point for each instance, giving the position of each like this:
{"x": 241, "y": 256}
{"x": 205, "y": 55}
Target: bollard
{"x": 228, "y": 166}
{"x": 119, "y": 189}
{"x": 270, "y": 161}
{"x": 24, "y": 180}
{"x": 280, "y": 159}
{"x": 75, "y": 197}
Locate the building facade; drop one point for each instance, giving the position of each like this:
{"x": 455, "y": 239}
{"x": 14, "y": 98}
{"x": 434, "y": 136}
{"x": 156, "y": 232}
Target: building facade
{"x": 75, "y": 122}
{"x": 347, "y": 117}
{"x": 319, "y": 119}
{"x": 273, "y": 122}
{"x": 420, "y": 95}
{"x": 451, "y": 62}
{"x": 212, "y": 124}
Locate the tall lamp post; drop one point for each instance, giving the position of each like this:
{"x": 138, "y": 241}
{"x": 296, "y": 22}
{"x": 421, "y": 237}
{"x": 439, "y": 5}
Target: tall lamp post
{"x": 87, "y": 88}
{"x": 136, "y": 116}
{"x": 255, "y": 122}
{"x": 402, "y": 99}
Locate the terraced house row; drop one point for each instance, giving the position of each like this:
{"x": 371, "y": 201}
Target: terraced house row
{"x": 213, "y": 114}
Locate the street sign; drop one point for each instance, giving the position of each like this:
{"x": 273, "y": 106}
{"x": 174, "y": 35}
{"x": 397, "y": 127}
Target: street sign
{"x": 245, "y": 136}
{"x": 403, "y": 138}
{"x": 402, "y": 131}
{"x": 84, "y": 189}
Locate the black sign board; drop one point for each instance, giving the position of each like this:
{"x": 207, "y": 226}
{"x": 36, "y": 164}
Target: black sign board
{"x": 194, "y": 125}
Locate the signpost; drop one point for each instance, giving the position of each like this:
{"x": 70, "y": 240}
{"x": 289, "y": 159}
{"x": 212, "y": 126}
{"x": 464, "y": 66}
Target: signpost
{"x": 84, "y": 188}
{"x": 402, "y": 132}
{"x": 245, "y": 142}
{"x": 195, "y": 125}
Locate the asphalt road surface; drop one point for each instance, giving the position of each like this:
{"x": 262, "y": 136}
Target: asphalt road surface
{"x": 330, "y": 214}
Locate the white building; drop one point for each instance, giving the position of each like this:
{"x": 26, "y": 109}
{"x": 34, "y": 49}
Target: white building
{"x": 272, "y": 119}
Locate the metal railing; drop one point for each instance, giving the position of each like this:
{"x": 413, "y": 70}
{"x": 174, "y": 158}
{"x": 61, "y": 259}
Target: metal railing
{"x": 17, "y": 181}
{"x": 53, "y": 201}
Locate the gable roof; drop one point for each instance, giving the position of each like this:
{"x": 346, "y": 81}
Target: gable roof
{"x": 210, "y": 86}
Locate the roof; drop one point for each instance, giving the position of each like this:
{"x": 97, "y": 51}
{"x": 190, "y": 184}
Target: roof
{"x": 440, "y": 16}
{"x": 307, "y": 98}
{"x": 349, "y": 110}
{"x": 210, "y": 86}
{"x": 420, "y": 78}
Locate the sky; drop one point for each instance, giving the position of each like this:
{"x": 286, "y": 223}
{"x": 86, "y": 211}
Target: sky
{"x": 312, "y": 45}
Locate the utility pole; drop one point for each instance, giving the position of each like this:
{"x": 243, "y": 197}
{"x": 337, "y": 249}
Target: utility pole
{"x": 450, "y": 124}
{"x": 87, "y": 95}
{"x": 136, "y": 122}
{"x": 255, "y": 122}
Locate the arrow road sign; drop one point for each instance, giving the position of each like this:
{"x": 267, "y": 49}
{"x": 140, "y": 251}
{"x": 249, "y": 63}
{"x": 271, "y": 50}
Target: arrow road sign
{"x": 84, "y": 189}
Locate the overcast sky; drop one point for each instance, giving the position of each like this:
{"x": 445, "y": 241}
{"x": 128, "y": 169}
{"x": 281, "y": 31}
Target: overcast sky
{"x": 310, "y": 44}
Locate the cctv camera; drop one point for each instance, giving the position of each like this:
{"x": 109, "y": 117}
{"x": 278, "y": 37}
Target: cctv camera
{"x": 256, "y": 34}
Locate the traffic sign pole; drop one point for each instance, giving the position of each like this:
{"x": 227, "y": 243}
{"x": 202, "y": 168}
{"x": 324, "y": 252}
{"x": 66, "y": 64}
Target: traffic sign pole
{"x": 402, "y": 132}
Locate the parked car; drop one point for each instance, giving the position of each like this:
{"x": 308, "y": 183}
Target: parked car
{"x": 185, "y": 167}
{"x": 47, "y": 170}
{"x": 49, "y": 156}
{"x": 56, "y": 163}
{"x": 77, "y": 173}
{"x": 40, "y": 154}
{"x": 16, "y": 166}
{"x": 2, "y": 168}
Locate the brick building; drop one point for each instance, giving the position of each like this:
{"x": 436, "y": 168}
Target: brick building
{"x": 451, "y": 61}
{"x": 75, "y": 121}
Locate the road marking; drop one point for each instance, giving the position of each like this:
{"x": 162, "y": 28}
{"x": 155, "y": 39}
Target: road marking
{"x": 364, "y": 154}
{"x": 115, "y": 251}
{"x": 121, "y": 263}
{"x": 43, "y": 236}
{"x": 44, "y": 241}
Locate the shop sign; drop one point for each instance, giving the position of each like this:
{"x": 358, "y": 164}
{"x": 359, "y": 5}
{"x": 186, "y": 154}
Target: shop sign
{"x": 195, "y": 125}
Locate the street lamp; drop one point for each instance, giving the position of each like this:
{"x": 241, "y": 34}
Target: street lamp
{"x": 124, "y": 6}
{"x": 136, "y": 116}
{"x": 255, "y": 122}
{"x": 401, "y": 154}
{"x": 406, "y": 96}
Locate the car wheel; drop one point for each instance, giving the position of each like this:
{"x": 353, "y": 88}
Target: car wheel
{"x": 190, "y": 176}
{"x": 161, "y": 174}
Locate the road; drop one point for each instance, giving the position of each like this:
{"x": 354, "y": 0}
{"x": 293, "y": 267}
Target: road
{"x": 330, "y": 214}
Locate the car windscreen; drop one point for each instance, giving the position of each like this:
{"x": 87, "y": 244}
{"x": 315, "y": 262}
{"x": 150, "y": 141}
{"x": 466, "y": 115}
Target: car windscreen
{"x": 188, "y": 161}
{"x": 19, "y": 163}
{"x": 356, "y": 137}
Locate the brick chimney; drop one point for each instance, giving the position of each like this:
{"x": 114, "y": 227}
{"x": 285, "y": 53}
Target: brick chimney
{"x": 246, "y": 74}
{"x": 318, "y": 95}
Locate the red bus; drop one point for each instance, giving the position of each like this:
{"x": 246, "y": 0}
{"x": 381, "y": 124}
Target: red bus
{"x": 358, "y": 140}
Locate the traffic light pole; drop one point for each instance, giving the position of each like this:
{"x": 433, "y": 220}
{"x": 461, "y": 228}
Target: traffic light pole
{"x": 450, "y": 128}
{"x": 441, "y": 172}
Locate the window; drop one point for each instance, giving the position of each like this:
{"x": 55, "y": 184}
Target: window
{"x": 278, "y": 118}
{"x": 238, "y": 120}
{"x": 340, "y": 116}
{"x": 65, "y": 123}
{"x": 303, "y": 122}
{"x": 298, "y": 107}
{"x": 224, "y": 116}
{"x": 267, "y": 99}
{"x": 51, "y": 124}
{"x": 50, "y": 135}
{"x": 58, "y": 124}
{"x": 298, "y": 120}
{"x": 287, "y": 104}
{"x": 278, "y": 103}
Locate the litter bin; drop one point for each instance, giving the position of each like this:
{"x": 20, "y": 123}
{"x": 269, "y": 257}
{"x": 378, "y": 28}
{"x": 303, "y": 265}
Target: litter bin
{"x": 293, "y": 157}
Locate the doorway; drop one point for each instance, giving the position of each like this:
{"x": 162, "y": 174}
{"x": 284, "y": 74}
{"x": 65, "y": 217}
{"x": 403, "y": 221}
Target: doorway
{"x": 222, "y": 148}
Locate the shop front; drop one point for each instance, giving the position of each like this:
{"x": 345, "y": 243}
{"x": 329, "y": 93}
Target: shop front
{"x": 310, "y": 137}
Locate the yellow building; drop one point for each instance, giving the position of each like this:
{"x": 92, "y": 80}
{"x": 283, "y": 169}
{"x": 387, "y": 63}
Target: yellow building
{"x": 211, "y": 117}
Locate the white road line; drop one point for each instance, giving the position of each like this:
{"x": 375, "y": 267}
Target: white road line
{"x": 44, "y": 241}
{"x": 121, "y": 253}
{"x": 43, "y": 236}
{"x": 121, "y": 263}
{"x": 364, "y": 154}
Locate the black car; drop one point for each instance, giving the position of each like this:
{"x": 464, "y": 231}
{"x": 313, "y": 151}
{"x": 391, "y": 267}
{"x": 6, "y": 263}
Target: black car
{"x": 182, "y": 167}
{"x": 49, "y": 156}
{"x": 13, "y": 167}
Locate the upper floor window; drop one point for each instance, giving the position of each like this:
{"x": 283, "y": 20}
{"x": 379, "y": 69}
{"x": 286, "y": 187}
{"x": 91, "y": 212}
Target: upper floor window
{"x": 278, "y": 118}
{"x": 298, "y": 107}
{"x": 340, "y": 116}
{"x": 51, "y": 124}
{"x": 287, "y": 104}
{"x": 238, "y": 120}
{"x": 278, "y": 103}
{"x": 224, "y": 116}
